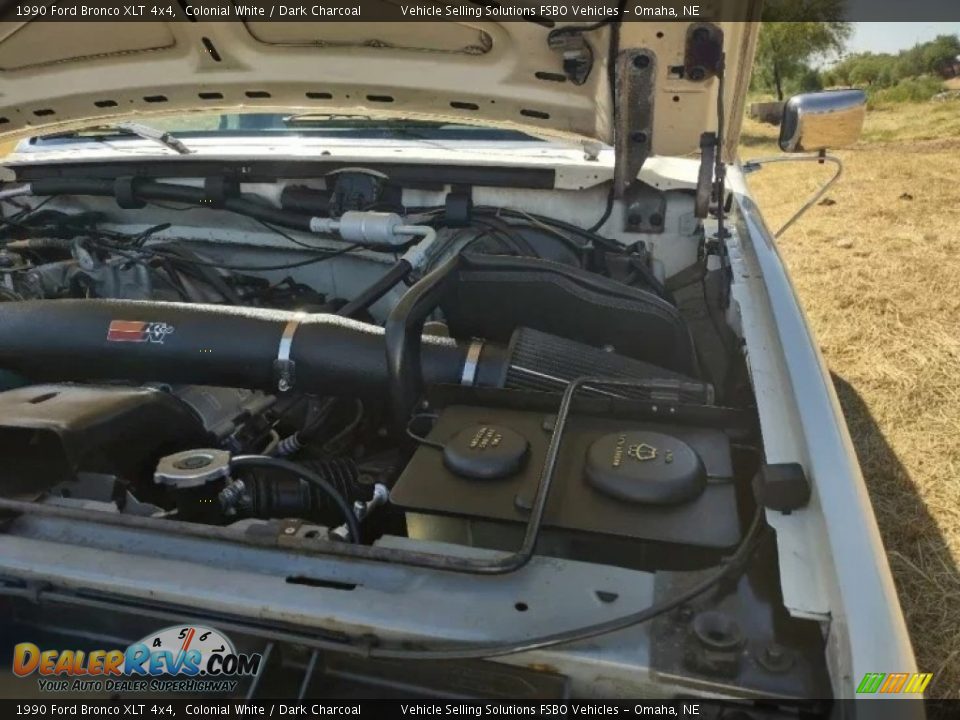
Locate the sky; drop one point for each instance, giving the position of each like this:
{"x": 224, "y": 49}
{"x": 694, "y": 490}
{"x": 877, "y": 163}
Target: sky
{"x": 893, "y": 37}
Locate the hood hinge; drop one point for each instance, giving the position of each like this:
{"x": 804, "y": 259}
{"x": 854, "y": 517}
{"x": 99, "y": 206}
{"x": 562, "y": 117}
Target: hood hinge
{"x": 634, "y": 98}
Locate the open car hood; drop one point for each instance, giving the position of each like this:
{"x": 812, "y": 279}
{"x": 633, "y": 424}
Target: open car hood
{"x": 56, "y": 76}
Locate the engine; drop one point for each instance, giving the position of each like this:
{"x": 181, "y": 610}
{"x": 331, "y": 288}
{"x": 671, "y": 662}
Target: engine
{"x": 438, "y": 383}
{"x": 508, "y": 377}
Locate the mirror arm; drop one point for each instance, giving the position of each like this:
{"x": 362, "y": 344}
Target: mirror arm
{"x": 754, "y": 165}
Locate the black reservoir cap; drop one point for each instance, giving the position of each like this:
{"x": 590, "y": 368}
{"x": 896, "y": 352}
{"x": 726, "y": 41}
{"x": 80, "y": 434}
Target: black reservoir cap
{"x": 645, "y": 467}
{"x": 486, "y": 452}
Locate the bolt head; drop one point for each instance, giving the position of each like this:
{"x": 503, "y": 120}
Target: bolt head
{"x": 289, "y": 530}
{"x": 522, "y": 503}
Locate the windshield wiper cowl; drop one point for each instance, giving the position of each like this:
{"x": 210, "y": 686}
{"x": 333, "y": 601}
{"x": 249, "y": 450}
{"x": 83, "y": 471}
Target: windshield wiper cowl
{"x": 150, "y": 133}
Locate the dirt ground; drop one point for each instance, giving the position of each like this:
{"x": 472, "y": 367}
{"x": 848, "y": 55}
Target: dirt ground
{"x": 877, "y": 268}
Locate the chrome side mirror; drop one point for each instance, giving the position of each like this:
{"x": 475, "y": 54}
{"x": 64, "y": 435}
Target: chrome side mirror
{"x": 818, "y": 121}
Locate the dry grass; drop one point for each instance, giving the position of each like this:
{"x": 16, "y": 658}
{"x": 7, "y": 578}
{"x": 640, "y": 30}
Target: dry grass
{"x": 878, "y": 273}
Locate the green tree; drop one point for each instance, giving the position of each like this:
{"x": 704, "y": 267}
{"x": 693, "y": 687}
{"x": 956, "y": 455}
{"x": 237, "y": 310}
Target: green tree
{"x": 941, "y": 53}
{"x": 886, "y": 78}
{"x": 866, "y": 69}
{"x": 810, "y": 81}
{"x": 910, "y": 63}
{"x": 790, "y": 39}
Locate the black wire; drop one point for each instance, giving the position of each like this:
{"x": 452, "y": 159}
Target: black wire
{"x": 612, "y": 82}
{"x": 575, "y": 247}
{"x": 206, "y": 274}
{"x": 419, "y": 439}
{"x": 262, "y": 461}
{"x": 174, "y": 277}
{"x": 331, "y": 445}
{"x": 140, "y": 239}
{"x": 287, "y": 266}
{"x": 612, "y": 18}
{"x": 606, "y": 212}
{"x": 152, "y": 250}
{"x": 284, "y": 235}
{"x": 589, "y": 235}
{"x": 17, "y": 219}
{"x": 512, "y": 238}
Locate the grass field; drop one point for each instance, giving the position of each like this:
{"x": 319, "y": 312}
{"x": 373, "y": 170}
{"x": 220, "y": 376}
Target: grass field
{"x": 877, "y": 269}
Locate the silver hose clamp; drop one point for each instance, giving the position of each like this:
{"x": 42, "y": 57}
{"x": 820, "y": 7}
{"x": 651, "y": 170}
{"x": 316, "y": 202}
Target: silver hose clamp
{"x": 471, "y": 362}
{"x": 283, "y": 367}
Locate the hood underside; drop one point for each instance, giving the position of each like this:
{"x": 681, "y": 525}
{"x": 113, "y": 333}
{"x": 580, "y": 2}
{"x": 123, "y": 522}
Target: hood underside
{"x": 56, "y": 76}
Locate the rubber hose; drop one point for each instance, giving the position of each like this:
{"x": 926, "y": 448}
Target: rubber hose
{"x": 384, "y": 284}
{"x": 168, "y": 192}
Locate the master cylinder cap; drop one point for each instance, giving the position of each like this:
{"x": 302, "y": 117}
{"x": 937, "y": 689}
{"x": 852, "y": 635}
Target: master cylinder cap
{"x": 645, "y": 467}
{"x": 486, "y": 452}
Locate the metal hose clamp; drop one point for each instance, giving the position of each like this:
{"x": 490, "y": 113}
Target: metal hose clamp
{"x": 470, "y": 363}
{"x": 283, "y": 367}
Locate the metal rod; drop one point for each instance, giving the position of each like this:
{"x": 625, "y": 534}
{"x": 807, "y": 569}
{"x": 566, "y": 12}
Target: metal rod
{"x": 752, "y": 165}
{"x": 308, "y": 674}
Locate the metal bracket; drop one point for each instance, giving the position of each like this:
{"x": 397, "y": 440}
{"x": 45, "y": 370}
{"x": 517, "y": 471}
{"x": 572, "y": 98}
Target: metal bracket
{"x": 636, "y": 71}
{"x": 577, "y": 54}
{"x": 708, "y": 162}
{"x": 703, "y": 54}
{"x": 645, "y": 209}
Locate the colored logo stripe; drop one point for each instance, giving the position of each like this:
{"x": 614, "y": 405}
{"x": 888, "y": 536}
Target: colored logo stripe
{"x": 918, "y": 682}
{"x": 894, "y": 683}
{"x": 127, "y": 331}
{"x": 870, "y": 683}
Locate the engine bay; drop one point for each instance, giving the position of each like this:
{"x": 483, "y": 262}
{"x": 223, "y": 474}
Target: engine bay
{"x": 348, "y": 360}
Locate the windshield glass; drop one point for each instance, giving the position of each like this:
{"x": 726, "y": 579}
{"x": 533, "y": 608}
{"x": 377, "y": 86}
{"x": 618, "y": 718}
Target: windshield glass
{"x": 312, "y": 124}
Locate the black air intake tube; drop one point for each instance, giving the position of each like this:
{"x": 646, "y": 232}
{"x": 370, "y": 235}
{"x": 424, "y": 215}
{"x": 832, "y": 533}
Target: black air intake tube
{"x": 204, "y": 345}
